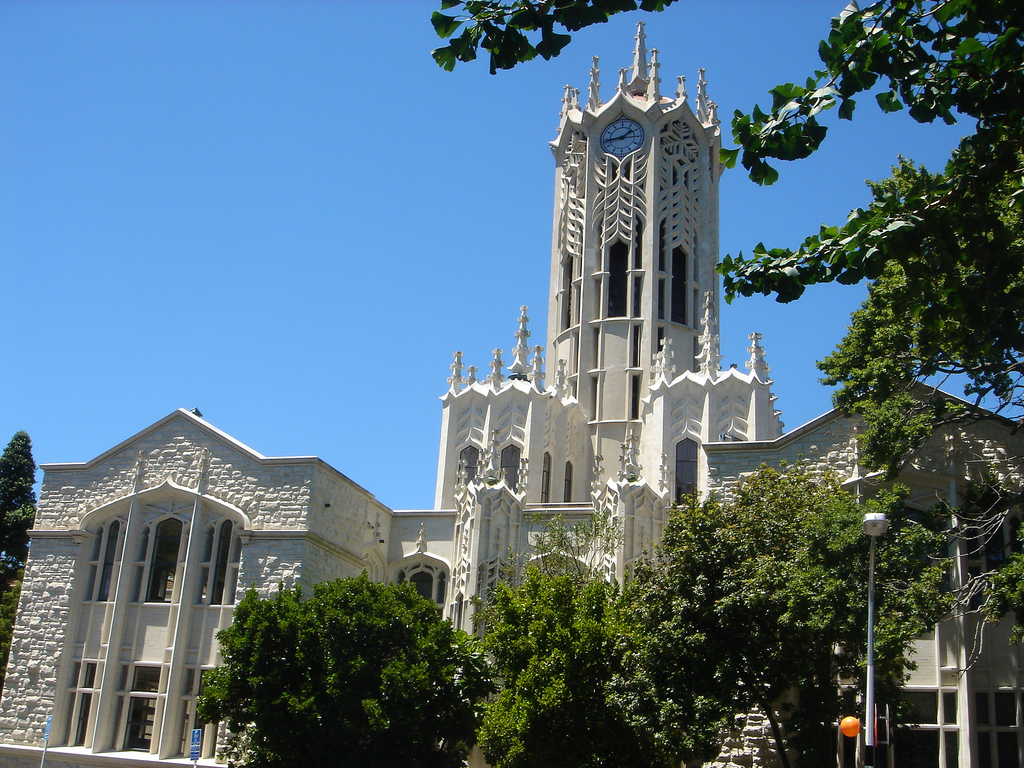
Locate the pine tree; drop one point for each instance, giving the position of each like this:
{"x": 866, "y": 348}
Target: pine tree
{"x": 17, "y": 505}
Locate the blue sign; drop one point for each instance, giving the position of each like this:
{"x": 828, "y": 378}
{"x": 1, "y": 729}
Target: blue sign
{"x": 197, "y": 737}
{"x": 46, "y": 731}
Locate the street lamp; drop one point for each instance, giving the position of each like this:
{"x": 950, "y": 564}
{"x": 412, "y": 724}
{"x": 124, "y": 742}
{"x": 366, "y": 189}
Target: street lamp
{"x": 874, "y": 526}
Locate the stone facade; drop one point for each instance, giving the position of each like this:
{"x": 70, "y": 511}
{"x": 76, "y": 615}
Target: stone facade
{"x": 139, "y": 555}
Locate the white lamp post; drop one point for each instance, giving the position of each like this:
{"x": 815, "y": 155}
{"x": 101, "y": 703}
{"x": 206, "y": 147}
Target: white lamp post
{"x": 874, "y": 526}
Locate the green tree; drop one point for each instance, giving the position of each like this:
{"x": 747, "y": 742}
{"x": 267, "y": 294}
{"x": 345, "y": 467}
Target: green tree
{"x": 358, "y": 675}
{"x": 751, "y": 598}
{"x": 17, "y": 504}
{"x": 557, "y": 645}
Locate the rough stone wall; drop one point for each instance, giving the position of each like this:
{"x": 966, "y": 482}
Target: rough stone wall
{"x": 274, "y": 493}
{"x": 43, "y": 612}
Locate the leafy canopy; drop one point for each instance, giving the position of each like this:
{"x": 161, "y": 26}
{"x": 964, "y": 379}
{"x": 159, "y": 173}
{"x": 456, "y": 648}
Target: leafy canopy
{"x": 750, "y": 598}
{"x": 358, "y": 675}
{"x": 557, "y": 645}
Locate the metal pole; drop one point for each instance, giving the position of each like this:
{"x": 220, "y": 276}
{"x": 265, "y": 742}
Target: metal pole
{"x": 869, "y": 715}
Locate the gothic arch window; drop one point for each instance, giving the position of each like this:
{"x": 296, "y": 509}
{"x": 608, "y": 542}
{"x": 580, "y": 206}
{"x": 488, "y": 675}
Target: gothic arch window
{"x": 686, "y": 468}
{"x": 469, "y": 458}
{"x": 618, "y": 279}
{"x": 510, "y": 464}
{"x": 545, "y": 479}
{"x": 430, "y": 581}
{"x": 567, "y": 489}
{"x": 105, "y": 556}
{"x": 163, "y": 563}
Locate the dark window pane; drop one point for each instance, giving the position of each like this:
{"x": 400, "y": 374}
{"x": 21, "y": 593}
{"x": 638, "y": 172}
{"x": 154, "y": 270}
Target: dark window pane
{"x": 83, "y": 719}
{"x": 686, "y": 467}
{"x": 981, "y": 713}
{"x": 925, "y": 706}
{"x": 916, "y": 749}
{"x": 510, "y": 463}
{"x": 984, "y": 748}
{"x": 949, "y": 707}
{"x": 1006, "y": 708}
{"x": 139, "y": 729}
{"x": 165, "y": 561}
{"x": 424, "y": 584}
{"x": 618, "y": 287}
{"x": 678, "y": 304}
{"x": 220, "y": 573}
{"x": 567, "y": 484}
{"x": 952, "y": 749}
{"x": 470, "y": 460}
{"x": 1006, "y": 749}
{"x": 147, "y": 679}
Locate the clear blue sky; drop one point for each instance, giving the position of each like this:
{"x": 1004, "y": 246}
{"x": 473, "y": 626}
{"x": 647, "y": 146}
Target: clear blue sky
{"x": 286, "y": 215}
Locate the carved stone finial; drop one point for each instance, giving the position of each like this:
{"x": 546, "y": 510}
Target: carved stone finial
{"x": 640, "y": 54}
{"x": 709, "y": 357}
{"x": 140, "y": 471}
{"x": 203, "y": 468}
{"x": 560, "y": 378}
{"x": 493, "y": 455}
{"x": 521, "y": 364}
{"x": 495, "y": 378}
{"x": 455, "y": 380}
{"x": 594, "y": 94}
{"x": 471, "y": 378}
{"x": 667, "y": 359}
{"x": 421, "y": 539}
{"x": 595, "y": 484}
{"x": 622, "y": 80}
{"x": 713, "y": 113}
{"x": 756, "y": 363}
{"x": 666, "y": 470}
{"x": 681, "y": 88}
{"x": 566, "y": 101}
{"x": 653, "y": 81}
{"x": 629, "y": 465}
{"x": 702, "y": 97}
{"x": 537, "y": 368}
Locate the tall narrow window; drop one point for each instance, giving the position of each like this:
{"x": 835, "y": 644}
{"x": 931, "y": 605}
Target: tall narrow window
{"x": 109, "y": 554}
{"x": 686, "y": 468}
{"x": 221, "y": 568}
{"x": 142, "y": 709}
{"x": 634, "y": 396}
{"x": 545, "y": 479}
{"x": 638, "y": 245}
{"x": 661, "y": 299}
{"x": 510, "y": 464}
{"x": 567, "y": 490}
{"x": 662, "y": 246}
{"x": 567, "y": 268}
{"x": 164, "y": 563}
{"x": 618, "y": 285}
{"x": 638, "y": 284}
{"x": 469, "y": 458}
{"x": 678, "y": 305}
{"x": 634, "y": 356}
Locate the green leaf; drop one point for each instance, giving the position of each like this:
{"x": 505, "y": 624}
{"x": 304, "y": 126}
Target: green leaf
{"x": 444, "y": 26}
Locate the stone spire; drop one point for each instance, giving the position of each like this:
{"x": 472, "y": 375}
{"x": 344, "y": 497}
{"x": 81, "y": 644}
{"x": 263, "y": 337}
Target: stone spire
{"x": 455, "y": 380}
{"x": 663, "y": 362}
{"x": 537, "y": 369}
{"x": 495, "y": 378}
{"x": 640, "y": 55}
{"x": 595, "y": 484}
{"x": 594, "y": 94}
{"x": 623, "y": 86}
{"x": 681, "y": 88}
{"x": 709, "y": 358}
{"x": 521, "y": 364}
{"x": 471, "y": 378}
{"x": 702, "y": 98}
{"x": 756, "y": 362}
{"x": 566, "y": 101}
{"x": 653, "y": 81}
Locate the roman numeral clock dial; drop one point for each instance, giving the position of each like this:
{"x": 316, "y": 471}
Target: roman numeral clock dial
{"x": 621, "y": 137}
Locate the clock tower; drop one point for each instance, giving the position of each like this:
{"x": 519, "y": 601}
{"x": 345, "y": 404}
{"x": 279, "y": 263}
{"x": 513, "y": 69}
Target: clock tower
{"x": 635, "y": 241}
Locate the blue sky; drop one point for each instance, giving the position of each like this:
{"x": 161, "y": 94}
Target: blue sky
{"x": 287, "y": 215}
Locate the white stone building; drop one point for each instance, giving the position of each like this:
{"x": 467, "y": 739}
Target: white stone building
{"x": 139, "y": 555}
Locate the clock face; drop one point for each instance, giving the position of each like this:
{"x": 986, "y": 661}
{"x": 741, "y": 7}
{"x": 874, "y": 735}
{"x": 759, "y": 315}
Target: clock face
{"x": 622, "y": 137}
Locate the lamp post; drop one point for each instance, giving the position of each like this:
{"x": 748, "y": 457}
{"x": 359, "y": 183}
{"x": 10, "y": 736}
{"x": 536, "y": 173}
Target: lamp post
{"x": 874, "y": 526}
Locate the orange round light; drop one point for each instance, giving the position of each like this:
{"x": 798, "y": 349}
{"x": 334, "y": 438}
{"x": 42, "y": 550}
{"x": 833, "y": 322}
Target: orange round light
{"x": 850, "y": 726}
